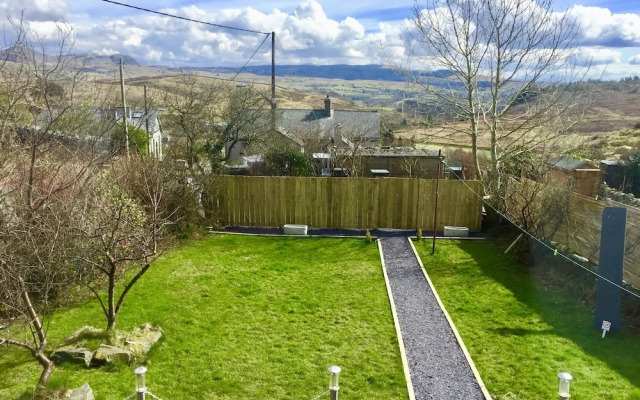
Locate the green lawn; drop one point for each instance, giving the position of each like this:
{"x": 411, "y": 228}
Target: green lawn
{"x": 520, "y": 335}
{"x": 246, "y": 318}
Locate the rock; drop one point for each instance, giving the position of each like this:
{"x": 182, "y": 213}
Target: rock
{"x": 72, "y": 355}
{"x": 579, "y": 258}
{"x": 140, "y": 340}
{"x": 84, "y": 392}
{"x": 109, "y": 354}
{"x": 83, "y": 333}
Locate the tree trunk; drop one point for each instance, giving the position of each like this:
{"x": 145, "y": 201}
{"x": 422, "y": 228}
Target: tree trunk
{"x": 111, "y": 312}
{"x": 41, "y": 341}
{"x": 47, "y": 368}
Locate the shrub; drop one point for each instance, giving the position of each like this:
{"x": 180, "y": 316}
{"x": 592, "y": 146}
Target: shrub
{"x": 285, "y": 161}
{"x": 138, "y": 140}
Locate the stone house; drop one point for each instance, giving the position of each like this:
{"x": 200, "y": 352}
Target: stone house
{"x": 147, "y": 121}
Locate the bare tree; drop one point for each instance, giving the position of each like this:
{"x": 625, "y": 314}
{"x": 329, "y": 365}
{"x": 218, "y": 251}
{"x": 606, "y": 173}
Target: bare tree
{"x": 248, "y": 120}
{"x": 501, "y": 57}
{"x": 48, "y": 154}
{"x": 124, "y": 230}
{"x": 192, "y": 112}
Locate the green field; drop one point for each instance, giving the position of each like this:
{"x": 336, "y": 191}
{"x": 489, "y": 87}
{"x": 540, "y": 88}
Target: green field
{"x": 244, "y": 318}
{"x": 520, "y": 335}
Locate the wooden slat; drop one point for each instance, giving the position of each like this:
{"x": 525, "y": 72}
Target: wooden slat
{"x": 358, "y": 203}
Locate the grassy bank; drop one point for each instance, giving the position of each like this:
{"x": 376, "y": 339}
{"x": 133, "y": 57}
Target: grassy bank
{"x": 245, "y": 318}
{"x": 520, "y": 334}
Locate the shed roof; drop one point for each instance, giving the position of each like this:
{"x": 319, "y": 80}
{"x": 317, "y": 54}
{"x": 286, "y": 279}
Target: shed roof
{"x": 567, "y": 164}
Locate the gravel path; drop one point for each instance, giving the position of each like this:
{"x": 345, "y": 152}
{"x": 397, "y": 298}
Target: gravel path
{"x": 438, "y": 367}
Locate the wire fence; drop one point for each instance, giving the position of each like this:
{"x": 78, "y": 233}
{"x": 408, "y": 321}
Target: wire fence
{"x": 142, "y": 392}
{"x": 549, "y": 247}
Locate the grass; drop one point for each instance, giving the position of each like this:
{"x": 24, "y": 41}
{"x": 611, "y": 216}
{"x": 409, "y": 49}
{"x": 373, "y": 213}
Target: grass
{"x": 521, "y": 334}
{"x": 245, "y": 318}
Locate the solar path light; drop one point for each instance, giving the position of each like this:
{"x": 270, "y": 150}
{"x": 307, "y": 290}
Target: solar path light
{"x": 141, "y": 387}
{"x": 564, "y": 379}
{"x": 333, "y": 381}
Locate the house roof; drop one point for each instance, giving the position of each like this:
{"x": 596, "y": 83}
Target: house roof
{"x": 137, "y": 119}
{"x": 398, "y": 152}
{"x": 284, "y": 132}
{"x": 567, "y": 164}
{"x": 353, "y": 123}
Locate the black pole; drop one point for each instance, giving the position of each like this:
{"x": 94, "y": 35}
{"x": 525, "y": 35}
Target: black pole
{"x": 435, "y": 208}
{"x": 146, "y": 122}
{"x": 273, "y": 70}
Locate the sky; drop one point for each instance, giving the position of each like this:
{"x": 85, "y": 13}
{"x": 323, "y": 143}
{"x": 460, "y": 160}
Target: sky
{"x": 307, "y": 32}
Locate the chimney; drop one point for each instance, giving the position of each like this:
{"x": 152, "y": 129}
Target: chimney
{"x": 327, "y": 107}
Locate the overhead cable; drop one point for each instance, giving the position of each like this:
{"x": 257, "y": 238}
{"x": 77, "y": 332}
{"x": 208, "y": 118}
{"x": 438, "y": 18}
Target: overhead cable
{"x": 532, "y": 236}
{"x": 185, "y": 18}
{"x": 250, "y": 58}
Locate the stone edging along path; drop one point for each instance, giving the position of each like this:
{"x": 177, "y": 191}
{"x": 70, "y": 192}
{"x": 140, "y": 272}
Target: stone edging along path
{"x": 431, "y": 348}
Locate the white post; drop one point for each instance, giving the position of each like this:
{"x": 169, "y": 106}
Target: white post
{"x": 141, "y": 387}
{"x": 333, "y": 381}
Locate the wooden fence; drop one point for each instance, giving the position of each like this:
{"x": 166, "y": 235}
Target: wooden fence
{"x": 348, "y": 202}
{"x": 580, "y": 229}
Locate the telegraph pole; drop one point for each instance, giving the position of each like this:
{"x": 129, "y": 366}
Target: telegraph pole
{"x": 273, "y": 70}
{"x": 146, "y": 122}
{"x": 124, "y": 112}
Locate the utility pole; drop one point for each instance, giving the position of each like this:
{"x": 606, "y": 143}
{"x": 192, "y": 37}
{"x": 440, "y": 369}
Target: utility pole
{"x": 273, "y": 70}
{"x": 146, "y": 123}
{"x": 124, "y": 112}
{"x": 273, "y": 82}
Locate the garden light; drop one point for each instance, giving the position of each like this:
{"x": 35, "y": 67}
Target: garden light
{"x": 563, "y": 385}
{"x": 333, "y": 381}
{"x": 140, "y": 385}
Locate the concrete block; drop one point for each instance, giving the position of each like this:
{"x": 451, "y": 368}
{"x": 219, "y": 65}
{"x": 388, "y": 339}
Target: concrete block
{"x": 293, "y": 229}
{"x": 456, "y": 231}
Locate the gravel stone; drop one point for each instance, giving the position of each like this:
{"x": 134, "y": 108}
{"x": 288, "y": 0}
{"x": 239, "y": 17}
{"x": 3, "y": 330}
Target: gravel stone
{"x": 437, "y": 365}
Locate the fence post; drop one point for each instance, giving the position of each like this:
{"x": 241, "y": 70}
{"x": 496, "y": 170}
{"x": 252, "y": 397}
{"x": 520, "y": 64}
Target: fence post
{"x": 141, "y": 387}
{"x": 333, "y": 381}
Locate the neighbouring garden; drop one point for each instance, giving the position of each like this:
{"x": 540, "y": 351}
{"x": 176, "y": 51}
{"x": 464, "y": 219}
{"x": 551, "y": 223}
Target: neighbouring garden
{"x": 521, "y": 333}
{"x": 243, "y": 318}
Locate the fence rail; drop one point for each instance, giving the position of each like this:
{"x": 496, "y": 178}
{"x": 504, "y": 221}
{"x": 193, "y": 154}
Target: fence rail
{"x": 581, "y": 224}
{"x": 347, "y": 202}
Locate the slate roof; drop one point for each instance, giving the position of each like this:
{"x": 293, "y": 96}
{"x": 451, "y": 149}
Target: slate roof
{"x": 398, "y": 152}
{"x": 137, "y": 119}
{"x": 567, "y": 164}
{"x": 353, "y": 123}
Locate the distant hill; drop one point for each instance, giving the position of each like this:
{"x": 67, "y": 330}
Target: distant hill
{"x": 114, "y": 58}
{"x": 338, "y": 71}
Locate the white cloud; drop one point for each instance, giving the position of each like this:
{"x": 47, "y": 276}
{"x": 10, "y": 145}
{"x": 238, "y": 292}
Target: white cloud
{"x": 305, "y": 32}
{"x": 599, "y": 26}
{"x": 586, "y": 56}
{"x": 37, "y": 10}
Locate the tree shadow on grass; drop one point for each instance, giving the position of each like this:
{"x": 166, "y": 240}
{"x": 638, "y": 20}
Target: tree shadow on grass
{"x": 569, "y": 317}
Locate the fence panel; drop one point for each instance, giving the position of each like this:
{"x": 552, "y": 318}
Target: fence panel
{"x": 580, "y": 229}
{"x": 398, "y": 203}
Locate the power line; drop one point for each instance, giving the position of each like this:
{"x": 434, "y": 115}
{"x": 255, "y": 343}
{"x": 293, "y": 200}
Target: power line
{"x": 250, "y": 58}
{"x": 532, "y": 236}
{"x": 184, "y": 18}
{"x": 284, "y": 53}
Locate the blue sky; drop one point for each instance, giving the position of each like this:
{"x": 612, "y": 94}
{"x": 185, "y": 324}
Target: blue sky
{"x": 309, "y": 31}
